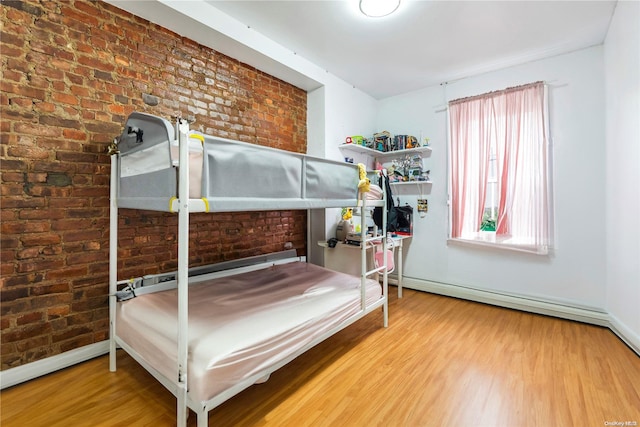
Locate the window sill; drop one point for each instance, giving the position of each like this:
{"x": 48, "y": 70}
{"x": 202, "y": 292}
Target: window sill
{"x": 490, "y": 240}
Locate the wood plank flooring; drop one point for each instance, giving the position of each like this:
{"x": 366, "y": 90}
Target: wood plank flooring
{"x": 441, "y": 362}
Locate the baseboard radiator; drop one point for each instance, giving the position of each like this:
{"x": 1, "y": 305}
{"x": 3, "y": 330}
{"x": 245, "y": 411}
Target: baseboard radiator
{"x": 532, "y": 305}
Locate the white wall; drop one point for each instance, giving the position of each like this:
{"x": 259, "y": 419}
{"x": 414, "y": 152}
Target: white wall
{"x": 575, "y": 272}
{"x": 348, "y": 111}
{"x": 334, "y": 111}
{"x": 622, "y": 77}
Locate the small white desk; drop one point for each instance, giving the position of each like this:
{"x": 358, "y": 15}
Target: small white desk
{"x": 399, "y": 243}
{"x": 346, "y": 258}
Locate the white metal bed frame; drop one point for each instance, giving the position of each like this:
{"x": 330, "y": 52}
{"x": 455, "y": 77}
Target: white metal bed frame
{"x": 184, "y": 206}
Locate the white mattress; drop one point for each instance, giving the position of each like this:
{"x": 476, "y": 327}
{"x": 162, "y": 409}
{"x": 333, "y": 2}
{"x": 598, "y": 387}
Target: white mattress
{"x": 239, "y": 325}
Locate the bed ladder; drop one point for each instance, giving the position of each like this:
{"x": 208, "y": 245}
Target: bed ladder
{"x": 365, "y": 241}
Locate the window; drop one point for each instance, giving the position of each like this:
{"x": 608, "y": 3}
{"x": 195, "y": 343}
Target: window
{"x": 499, "y": 176}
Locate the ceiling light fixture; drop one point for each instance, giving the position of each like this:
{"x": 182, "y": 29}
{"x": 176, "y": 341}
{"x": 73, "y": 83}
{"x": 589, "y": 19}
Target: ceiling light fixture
{"x": 378, "y": 8}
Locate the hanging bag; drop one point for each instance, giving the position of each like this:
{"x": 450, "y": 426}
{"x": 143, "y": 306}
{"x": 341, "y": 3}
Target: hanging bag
{"x": 377, "y": 211}
{"x": 404, "y": 219}
{"x": 399, "y": 218}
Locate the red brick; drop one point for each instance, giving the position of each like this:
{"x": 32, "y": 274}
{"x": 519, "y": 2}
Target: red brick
{"x": 49, "y": 167}
{"x": 19, "y": 227}
{"x": 11, "y": 40}
{"x": 74, "y": 157}
{"x": 48, "y": 191}
{"x": 67, "y": 273}
{"x": 56, "y": 121}
{"x": 76, "y": 342}
{"x": 66, "y": 144}
{"x": 25, "y": 332}
{"x": 64, "y": 98}
{"x": 57, "y": 312}
{"x": 71, "y": 224}
{"x": 50, "y": 300}
{"x": 70, "y": 333}
{"x": 25, "y": 254}
{"x": 50, "y": 289}
{"x": 49, "y": 27}
{"x": 32, "y": 343}
{"x": 40, "y": 265}
{"x": 94, "y": 63}
{"x": 22, "y": 90}
{"x": 34, "y": 317}
{"x": 9, "y": 295}
{"x": 44, "y": 107}
{"x": 40, "y": 239}
{"x": 33, "y": 214}
{"x": 58, "y": 324}
{"x": 75, "y": 14}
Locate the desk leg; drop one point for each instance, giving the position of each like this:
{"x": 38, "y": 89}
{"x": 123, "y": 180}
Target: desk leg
{"x": 399, "y": 264}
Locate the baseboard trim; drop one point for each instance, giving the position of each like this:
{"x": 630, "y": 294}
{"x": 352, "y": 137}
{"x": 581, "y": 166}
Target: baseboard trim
{"x": 518, "y": 302}
{"x": 29, "y": 371}
{"x": 532, "y": 305}
{"x": 625, "y": 334}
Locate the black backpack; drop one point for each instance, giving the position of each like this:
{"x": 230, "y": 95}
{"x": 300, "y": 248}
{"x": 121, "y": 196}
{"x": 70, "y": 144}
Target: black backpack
{"x": 399, "y": 218}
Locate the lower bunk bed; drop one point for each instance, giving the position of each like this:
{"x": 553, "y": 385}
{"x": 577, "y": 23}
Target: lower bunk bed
{"x": 244, "y": 323}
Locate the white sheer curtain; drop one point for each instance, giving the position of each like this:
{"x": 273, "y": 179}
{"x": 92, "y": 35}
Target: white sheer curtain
{"x": 522, "y": 167}
{"x": 472, "y": 129}
{"x": 514, "y": 120}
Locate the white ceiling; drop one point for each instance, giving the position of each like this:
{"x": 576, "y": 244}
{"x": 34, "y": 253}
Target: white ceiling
{"x": 425, "y": 42}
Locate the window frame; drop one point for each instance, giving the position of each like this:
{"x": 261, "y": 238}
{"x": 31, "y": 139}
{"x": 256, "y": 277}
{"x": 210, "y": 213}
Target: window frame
{"x": 489, "y": 239}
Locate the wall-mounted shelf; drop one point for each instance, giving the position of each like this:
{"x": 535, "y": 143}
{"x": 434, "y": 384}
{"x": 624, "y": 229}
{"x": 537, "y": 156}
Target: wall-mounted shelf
{"x": 408, "y": 183}
{"x": 406, "y": 187}
{"x": 385, "y": 155}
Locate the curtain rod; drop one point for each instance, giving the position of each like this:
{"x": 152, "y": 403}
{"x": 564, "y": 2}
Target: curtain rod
{"x": 495, "y": 93}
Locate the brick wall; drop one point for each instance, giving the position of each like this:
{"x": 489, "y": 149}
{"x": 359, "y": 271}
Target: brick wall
{"x": 71, "y": 73}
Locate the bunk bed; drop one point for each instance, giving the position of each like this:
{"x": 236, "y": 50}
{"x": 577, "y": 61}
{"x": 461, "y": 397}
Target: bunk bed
{"x": 194, "y": 329}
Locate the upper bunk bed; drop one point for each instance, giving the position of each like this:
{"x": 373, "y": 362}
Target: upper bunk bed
{"x": 156, "y": 166}
{"x": 225, "y": 175}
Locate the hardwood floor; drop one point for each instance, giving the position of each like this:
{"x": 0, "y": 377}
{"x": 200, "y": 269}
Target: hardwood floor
{"x": 442, "y": 361}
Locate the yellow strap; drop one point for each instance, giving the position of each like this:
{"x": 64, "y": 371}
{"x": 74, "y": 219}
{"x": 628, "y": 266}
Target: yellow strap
{"x": 206, "y": 204}
{"x": 197, "y": 136}
{"x": 171, "y": 203}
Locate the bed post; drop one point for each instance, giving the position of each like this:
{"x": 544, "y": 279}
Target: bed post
{"x": 363, "y": 250}
{"x": 113, "y": 255}
{"x": 182, "y": 128}
{"x": 385, "y": 273}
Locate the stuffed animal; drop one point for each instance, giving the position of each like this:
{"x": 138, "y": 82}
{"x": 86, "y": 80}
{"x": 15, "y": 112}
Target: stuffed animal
{"x": 364, "y": 185}
{"x": 347, "y": 213}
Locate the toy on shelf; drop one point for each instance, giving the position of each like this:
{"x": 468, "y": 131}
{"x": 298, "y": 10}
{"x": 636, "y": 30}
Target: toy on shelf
{"x": 385, "y": 142}
{"x": 404, "y": 142}
{"x": 381, "y": 140}
{"x": 360, "y": 140}
{"x": 406, "y": 169}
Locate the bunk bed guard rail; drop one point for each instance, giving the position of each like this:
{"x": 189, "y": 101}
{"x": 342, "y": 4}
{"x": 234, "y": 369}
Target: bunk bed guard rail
{"x": 230, "y": 175}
